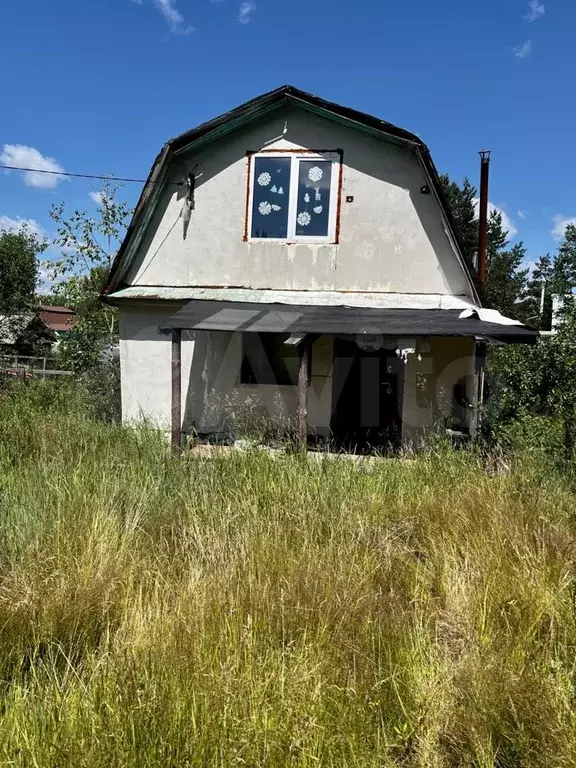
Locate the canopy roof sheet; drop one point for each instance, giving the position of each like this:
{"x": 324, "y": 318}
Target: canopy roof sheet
{"x": 200, "y": 315}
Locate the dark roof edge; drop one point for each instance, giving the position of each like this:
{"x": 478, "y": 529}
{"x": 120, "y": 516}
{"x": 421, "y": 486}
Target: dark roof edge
{"x": 268, "y": 100}
{"x": 289, "y": 91}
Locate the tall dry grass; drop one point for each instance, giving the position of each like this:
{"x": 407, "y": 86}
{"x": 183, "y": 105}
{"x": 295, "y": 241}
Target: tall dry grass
{"x": 272, "y": 611}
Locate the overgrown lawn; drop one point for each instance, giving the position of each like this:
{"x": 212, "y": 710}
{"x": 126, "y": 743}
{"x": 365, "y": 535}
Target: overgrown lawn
{"x": 251, "y": 610}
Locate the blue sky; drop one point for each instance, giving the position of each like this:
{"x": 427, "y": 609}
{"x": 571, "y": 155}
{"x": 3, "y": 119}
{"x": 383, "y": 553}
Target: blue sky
{"x": 98, "y": 86}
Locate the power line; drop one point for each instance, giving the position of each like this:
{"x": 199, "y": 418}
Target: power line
{"x": 81, "y": 175}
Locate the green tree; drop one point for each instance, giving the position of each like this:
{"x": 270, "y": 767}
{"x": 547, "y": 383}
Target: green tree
{"x": 562, "y": 362}
{"x": 19, "y": 253}
{"x": 506, "y": 280}
{"x": 539, "y": 299}
{"x": 88, "y": 247}
{"x": 88, "y": 241}
{"x": 540, "y": 380}
{"x": 563, "y": 279}
{"x": 96, "y": 327}
{"x": 462, "y": 204}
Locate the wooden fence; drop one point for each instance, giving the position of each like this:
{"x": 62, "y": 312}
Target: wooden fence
{"x": 22, "y": 366}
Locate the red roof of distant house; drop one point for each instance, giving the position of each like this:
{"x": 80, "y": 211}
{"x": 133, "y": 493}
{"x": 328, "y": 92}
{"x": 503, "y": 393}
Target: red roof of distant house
{"x": 57, "y": 318}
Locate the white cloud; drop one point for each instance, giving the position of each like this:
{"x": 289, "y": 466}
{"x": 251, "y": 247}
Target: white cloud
{"x": 507, "y": 222}
{"x": 170, "y": 12}
{"x": 245, "y": 11}
{"x": 21, "y": 156}
{"x": 96, "y": 197}
{"x": 7, "y": 224}
{"x": 537, "y": 10}
{"x": 560, "y": 224}
{"x": 521, "y": 214}
{"x": 174, "y": 19}
{"x": 46, "y": 280}
{"x": 524, "y": 50}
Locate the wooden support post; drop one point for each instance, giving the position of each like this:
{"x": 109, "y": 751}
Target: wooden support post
{"x": 176, "y": 391}
{"x": 303, "y": 380}
{"x": 478, "y": 393}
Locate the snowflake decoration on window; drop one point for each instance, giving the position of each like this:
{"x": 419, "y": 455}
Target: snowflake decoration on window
{"x": 264, "y": 179}
{"x": 276, "y": 207}
{"x": 304, "y": 219}
{"x": 264, "y": 208}
{"x": 318, "y": 209}
{"x": 315, "y": 174}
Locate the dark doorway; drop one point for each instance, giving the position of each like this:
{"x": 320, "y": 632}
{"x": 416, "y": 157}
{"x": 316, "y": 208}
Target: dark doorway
{"x": 367, "y": 393}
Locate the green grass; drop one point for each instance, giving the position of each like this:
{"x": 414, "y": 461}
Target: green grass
{"x": 271, "y": 611}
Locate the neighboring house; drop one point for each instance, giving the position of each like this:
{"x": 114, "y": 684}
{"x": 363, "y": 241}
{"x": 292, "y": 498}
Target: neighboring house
{"x": 60, "y": 320}
{"x": 24, "y": 333}
{"x": 297, "y": 258}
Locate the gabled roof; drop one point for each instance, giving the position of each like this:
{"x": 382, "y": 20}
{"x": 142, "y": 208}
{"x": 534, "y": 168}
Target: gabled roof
{"x": 53, "y": 318}
{"x": 247, "y": 113}
{"x": 57, "y": 318}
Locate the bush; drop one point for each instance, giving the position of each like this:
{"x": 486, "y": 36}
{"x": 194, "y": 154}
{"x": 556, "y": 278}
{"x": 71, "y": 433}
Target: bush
{"x": 93, "y": 395}
{"x": 102, "y": 386}
{"x": 538, "y": 435}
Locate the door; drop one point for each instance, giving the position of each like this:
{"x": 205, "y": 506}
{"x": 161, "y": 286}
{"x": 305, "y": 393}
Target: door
{"x": 367, "y": 392}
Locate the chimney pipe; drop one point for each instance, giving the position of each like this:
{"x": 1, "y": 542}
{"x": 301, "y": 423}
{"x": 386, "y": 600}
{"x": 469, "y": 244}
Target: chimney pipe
{"x": 483, "y": 218}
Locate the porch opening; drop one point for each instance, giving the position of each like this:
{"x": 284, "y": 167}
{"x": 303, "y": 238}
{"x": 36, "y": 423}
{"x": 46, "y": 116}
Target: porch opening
{"x": 367, "y": 395}
{"x": 369, "y": 407}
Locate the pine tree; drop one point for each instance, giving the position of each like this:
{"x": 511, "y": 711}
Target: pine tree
{"x": 506, "y": 280}
{"x": 461, "y": 203}
{"x": 540, "y": 285}
{"x": 564, "y": 271}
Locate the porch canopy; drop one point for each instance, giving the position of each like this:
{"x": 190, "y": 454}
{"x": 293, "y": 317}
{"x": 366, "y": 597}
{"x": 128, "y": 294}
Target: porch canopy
{"x": 204, "y": 315}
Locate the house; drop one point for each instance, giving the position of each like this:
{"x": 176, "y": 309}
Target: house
{"x": 38, "y": 328}
{"x": 59, "y": 320}
{"x": 297, "y": 258}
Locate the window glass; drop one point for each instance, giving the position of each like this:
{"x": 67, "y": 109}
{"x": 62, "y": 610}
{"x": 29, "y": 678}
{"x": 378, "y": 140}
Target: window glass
{"x": 313, "y": 205}
{"x": 270, "y": 197}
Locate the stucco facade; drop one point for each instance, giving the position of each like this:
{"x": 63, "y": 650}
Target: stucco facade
{"x": 393, "y": 247}
{"x": 392, "y": 236}
{"x": 215, "y": 402}
{"x": 213, "y": 396}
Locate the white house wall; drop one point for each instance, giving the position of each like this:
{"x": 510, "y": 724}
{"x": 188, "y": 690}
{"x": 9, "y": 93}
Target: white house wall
{"x": 145, "y": 361}
{"x": 429, "y": 384}
{"x": 392, "y": 237}
{"x": 212, "y": 395}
